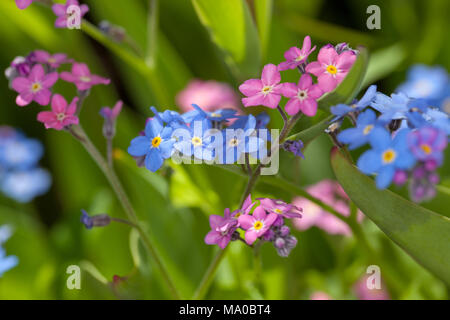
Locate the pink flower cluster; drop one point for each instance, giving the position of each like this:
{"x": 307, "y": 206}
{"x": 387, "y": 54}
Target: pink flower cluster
{"x": 330, "y": 69}
{"x": 331, "y": 193}
{"x": 33, "y": 79}
{"x": 266, "y": 222}
{"x": 63, "y": 12}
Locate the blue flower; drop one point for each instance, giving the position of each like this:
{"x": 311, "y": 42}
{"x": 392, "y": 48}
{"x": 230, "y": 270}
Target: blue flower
{"x": 216, "y": 116}
{"x": 425, "y": 82}
{"x": 360, "y": 135}
{"x": 196, "y": 141}
{"x": 6, "y": 262}
{"x": 172, "y": 118}
{"x": 342, "y": 110}
{"x": 240, "y": 141}
{"x": 89, "y": 222}
{"x": 24, "y": 186}
{"x": 391, "y": 108}
{"x": 432, "y": 117}
{"x": 386, "y": 156}
{"x": 156, "y": 145}
{"x": 19, "y": 152}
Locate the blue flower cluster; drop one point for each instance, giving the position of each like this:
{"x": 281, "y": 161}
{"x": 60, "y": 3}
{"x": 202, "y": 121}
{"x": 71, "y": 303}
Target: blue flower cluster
{"x": 407, "y": 132}
{"x": 20, "y": 177}
{"x": 6, "y": 262}
{"x": 221, "y": 136}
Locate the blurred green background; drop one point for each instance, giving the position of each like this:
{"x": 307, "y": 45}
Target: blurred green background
{"x": 175, "y": 205}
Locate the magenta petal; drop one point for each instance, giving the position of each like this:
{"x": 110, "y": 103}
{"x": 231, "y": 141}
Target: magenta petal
{"x": 270, "y": 75}
{"x": 315, "y": 68}
{"x": 270, "y": 219}
{"x": 315, "y": 92}
{"x": 247, "y": 202}
{"x": 305, "y": 82}
{"x": 84, "y": 9}
{"x": 285, "y": 66}
{"x": 292, "y": 54}
{"x": 306, "y": 44}
{"x": 99, "y": 80}
{"x": 271, "y": 100}
{"x": 212, "y": 237}
{"x": 327, "y": 55}
{"x": 223, "y": 242}
{"x": 289, "y": 90}
{"x": 309, "y": 107}
{"x": 41, "y": 56}
{"x": 251, "y": 236}
{"x": 24, "y": 99}
{"x": 59, "y": 104}
{"x": 67, "y": 76}
{"x": 246, "y": 221}
{"x": 49, "y": 80}
{"x": 42, "y": 97}
{"x": 37, "y": 73}
{"x": 46, "y": 116}
{"x": 292, "y": 107}
{"x": 255, "y": 100}
{"x": 251, "y": 87}
{"x": 59, "y": 9}
{"x": 215, "y": 221}
{"x": 327, "y": 83}
{"x": 345, "y": 60}
{"x": 61, "y": 22}
{"x": 23, "y": 4}
{"x": 80, "y": 70}
{"x": 21, "y": 84}
{"x": 70, "y": 120}
{"x": 259, "y": 213}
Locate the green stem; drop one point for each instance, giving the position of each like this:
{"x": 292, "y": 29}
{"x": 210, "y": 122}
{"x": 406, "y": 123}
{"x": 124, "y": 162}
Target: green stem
{"x": 209, "y": 275}
{"x": 257, "y": 266}
{"x": 80, "y": 134}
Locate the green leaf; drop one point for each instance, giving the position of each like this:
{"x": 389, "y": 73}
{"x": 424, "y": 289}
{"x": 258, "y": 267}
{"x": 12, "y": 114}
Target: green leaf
{"x": 344, "y": 93}
{"x": 232, "y": 29}
{"x": 423, "y": 234}
{"x": 263, "y": 14}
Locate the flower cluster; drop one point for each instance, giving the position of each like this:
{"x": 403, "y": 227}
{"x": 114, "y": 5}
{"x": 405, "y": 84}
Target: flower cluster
{"x": 33, "y": 78}
{"x": 63, "y": 12}
{"x": 6, "y": 262}
{"x": 20, "y": 176}
{"x": 265, "y": 222}
{"x": 407, "y": 135}
{"x": 222, "y": 136}
{"x": 331, "y": 67}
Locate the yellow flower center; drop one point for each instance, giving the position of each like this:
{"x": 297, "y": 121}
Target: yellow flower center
{"x": 85, "y": 79}
{"x": 237, "y": 215}
{"x": 367, "y": 129}
{"x": 233, "y": 142}
{"x": 331, "y": 69}
{"x": 51, "y": 60}
{"x": 60, "y": 116}
{"x": 266, "y": 90}
{"x": 215, "y": 115}
{"x": 389, "y": 156}
{"x": 35, "y": 87}
{"x": 426, "y": 148}
{"x": 196, "y": 141}
{"x": 258, "y": 225}
{"x": 278, "y": 211}
{"x": 156, "y": 142}
{"x": 299, "y": 58}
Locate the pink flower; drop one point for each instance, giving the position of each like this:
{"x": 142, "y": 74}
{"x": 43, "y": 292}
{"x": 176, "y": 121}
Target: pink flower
{"x": 303, "y": 96}
{"x": 54, "y": 61}
{"x": 23, "y": 4}
{"x": 281, "y": 208}
{"x": 331, "y": 68}
{"x": 111, "y": 113}
{"x": 266, "y": 92}
{"x": 320, "y": 295}
{"x": 61, "y": 11}
{"x": 256, "y": 224}
{"x": 222, "y": 228}
{"x": 82, "y": 77}
{"x": 246, "y": 208}
{"x": 34, "y": 87}
{"x": 211, "y": 95}
{"x": 363, "y": 292}
{"x": 61, "y": 115}
{"x": 331, "y": 193}
{"x": 295, "y": 56}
